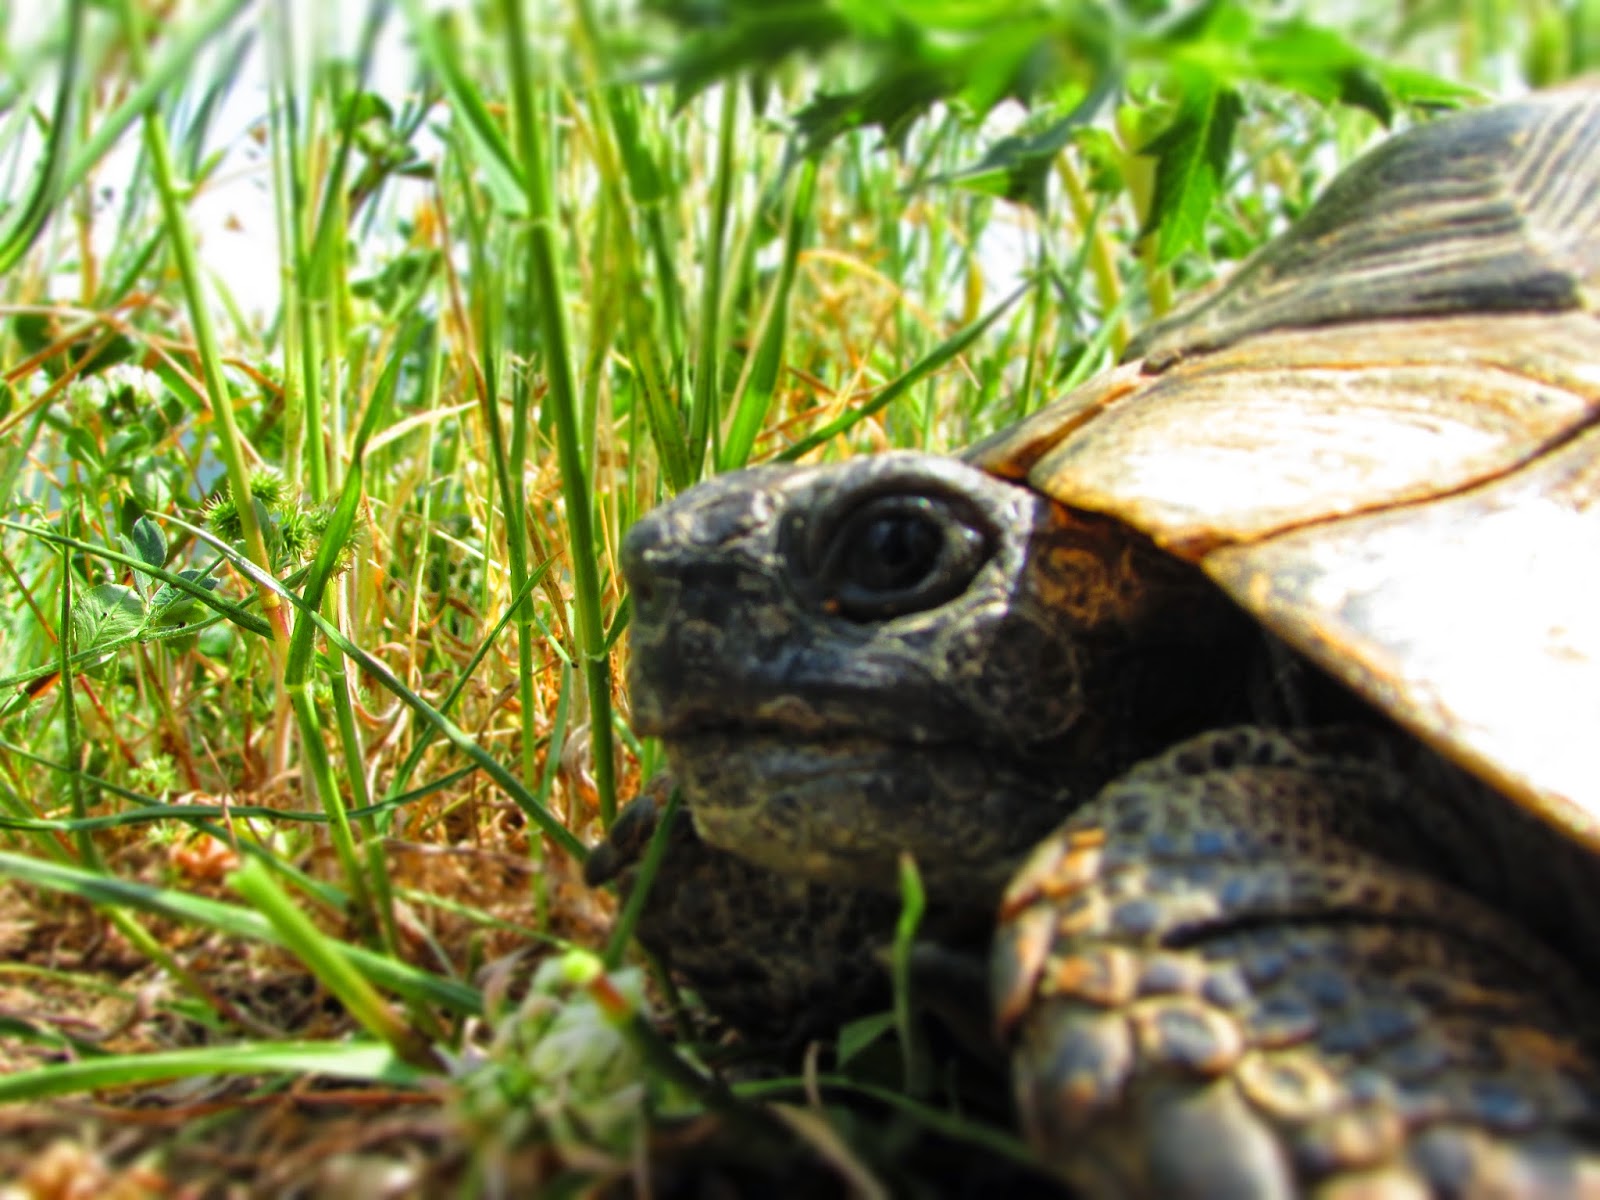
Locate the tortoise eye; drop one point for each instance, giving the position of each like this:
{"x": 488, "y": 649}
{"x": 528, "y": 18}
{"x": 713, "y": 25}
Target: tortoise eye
{"x": 899, "y": 554}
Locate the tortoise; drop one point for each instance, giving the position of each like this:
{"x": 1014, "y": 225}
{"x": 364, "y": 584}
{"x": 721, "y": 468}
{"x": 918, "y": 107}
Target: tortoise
{"x": 1250, "y": 684}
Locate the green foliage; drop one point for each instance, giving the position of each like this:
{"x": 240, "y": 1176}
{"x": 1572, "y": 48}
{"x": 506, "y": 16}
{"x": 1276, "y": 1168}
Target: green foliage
{"x": 294, "y": 528}
{"x": 106, "y": 615}
{"x": 1191, "y": 156}
{"x": 1067, "y": 61}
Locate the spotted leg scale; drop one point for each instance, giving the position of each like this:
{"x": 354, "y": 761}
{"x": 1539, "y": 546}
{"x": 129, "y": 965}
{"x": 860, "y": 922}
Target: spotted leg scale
{"x": 1229, "y": 976}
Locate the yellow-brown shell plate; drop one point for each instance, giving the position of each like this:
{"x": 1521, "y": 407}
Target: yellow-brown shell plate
{"x": 1413, "y": 500}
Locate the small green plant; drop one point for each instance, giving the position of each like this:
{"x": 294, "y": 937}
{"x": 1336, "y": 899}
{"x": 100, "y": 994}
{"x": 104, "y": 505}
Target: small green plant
{"x": 559, "y": 1068}
{"x": 292, "y": 527}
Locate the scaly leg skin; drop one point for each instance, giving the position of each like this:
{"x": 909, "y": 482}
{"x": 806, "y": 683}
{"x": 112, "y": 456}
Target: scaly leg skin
{"x": 780, "y": 959}
{"x": 1217, "y": 981}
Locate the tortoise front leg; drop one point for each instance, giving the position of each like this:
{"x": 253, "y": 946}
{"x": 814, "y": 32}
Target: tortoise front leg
{"x": 781, "y": 959}
{"x": 1218, "y": 980}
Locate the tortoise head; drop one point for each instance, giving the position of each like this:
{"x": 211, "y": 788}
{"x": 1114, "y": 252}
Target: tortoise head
{"x": 903, "y": 653}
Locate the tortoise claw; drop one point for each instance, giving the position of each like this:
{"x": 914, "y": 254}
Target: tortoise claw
{"x": 629, "y": 834}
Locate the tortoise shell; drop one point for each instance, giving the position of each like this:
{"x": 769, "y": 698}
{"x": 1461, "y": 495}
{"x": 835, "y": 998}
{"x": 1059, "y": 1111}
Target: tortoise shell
{"x": 1382, "y": 438}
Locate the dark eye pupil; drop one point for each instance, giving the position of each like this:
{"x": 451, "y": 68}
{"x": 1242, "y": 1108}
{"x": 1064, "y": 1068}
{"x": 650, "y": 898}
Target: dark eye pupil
{"x": 897, "y": 552}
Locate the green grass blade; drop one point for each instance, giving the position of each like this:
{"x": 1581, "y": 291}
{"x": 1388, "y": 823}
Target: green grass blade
{"x": 760, "y": 381}
{"x": 502, "y": 174}
{"x": 374, "y": 667}
{"x": 953, "y": 346}
{"x": 368, "y": 1063}
{"x": 327, "y": 960}
{"x": 49, "y": 184}
{"x": 546, "y": 267}
{"x": 397, "y": 977}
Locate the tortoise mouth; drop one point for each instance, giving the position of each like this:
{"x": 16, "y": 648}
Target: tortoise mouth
{"x": 797, "y": 803}
{"x": 841, "y": 806}
{"x": 690, "y": 725}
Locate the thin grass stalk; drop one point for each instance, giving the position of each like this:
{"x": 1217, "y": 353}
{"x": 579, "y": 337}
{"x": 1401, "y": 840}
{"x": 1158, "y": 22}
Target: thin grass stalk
{"x": 35, "y": 212}
{"x": 429, "y": 400}
{"x": 624, "y": 147}
{"x": 325, "y": 424}
{"x": 508, "y": 457}
{"x": 915, "y": 1064}
{"x": 327, "y": 262}
{"x": 507, "y": 452}
{"x": 1139, "y": 181}
{"x": 120, "y": 896}
{"x": 545, "y": 265}
{"x": 760, "y": 378}
{"x": 318, "y": 770}
{"x": 198, "y": 817}
{"x": 1103, "y": 253}
{"x": 330, "y": 268}
{"x": 704, "y": 407}
{"x": 340, "y": 530}
{"x": 646, "y": 183}
{"x": 300, "y": 350}
{"x": 377, "y": 866}
{"x": 379, "y": 672}
{"x": 514, "y": 488}
{"x": 427, "y": 735}
{"x": 230, "y": 443}
{"x": 1029, "y": 394}
{"x": 946, "y": 351}
{"x": 233, "y": 612}
{"x": 665, "y": 421}
{"x": 336, "y": 1060}
{"x": 88, "y": 852}
{"x": 528, "y": 636}
{"x": 559, "y": 725}
{"x": 324, "y": 957}
{"x": 485, "y": 305}
{"x": 639, "y": 892}
{"x": 935, "y": 225}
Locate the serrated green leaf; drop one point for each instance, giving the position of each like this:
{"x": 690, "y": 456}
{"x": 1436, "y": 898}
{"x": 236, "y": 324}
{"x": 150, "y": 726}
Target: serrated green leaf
{"x": 1303, "y": 57}
{"x": 731, "y": 38}
{"x": 1425, "y": 90}
{"x": 105, "y": 614}
{"x": 1192, "y": 158}
{"x": 892, "y": 102}
{"x": 1319, "y": 63}
{"x": 1018, "y": 168}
